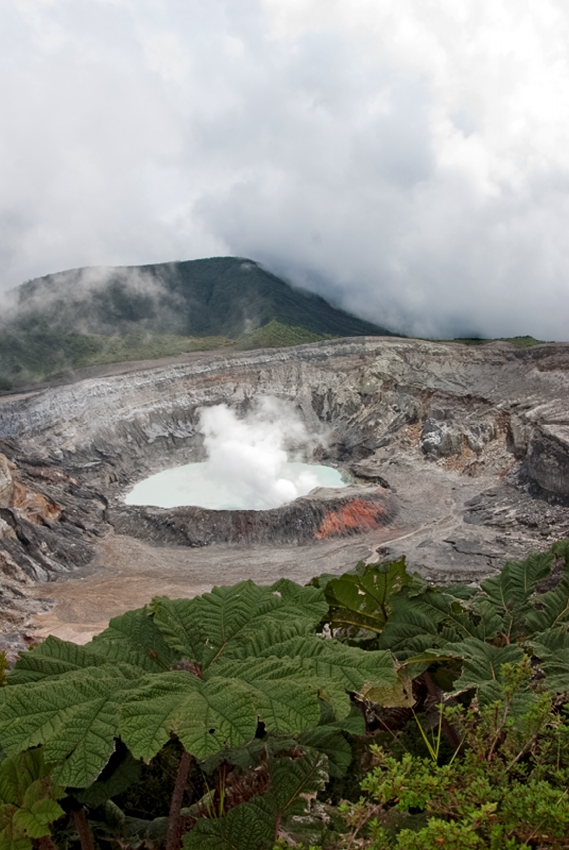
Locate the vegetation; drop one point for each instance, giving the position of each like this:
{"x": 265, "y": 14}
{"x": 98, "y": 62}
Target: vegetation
{"x": 518, "y": 341}
{"x": 277, "y": 335}
{"x": 369, "y": 710}
{"x": 89, "y": 317}
{"x": 42, "y": 353}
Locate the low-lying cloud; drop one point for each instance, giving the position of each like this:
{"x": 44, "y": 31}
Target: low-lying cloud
{"x": 406, "y": 161}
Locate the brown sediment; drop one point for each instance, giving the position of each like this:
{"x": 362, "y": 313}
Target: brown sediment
{"x": 130, "y": 572}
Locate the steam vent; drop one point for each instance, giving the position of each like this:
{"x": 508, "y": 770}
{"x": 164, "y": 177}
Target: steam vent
{"x": 456, "y": 456}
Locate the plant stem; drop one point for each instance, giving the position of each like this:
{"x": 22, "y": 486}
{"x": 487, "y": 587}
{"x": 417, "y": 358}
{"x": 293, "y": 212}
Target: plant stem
{"x": 278, "y": 825}
{"x": 499, "y": 731}
{"x": 451, "y": 734}
{"x": 46, "y": 843}
{"x": 174, "y": 822}
{"x": 82, "y": 827}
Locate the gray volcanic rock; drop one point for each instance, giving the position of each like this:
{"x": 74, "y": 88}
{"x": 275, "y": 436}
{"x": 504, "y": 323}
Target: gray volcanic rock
{"x": 548, "y": 458}
{"x": 470, "y": 447}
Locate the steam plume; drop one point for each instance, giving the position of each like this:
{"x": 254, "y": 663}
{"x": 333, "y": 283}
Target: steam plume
{"x": 248, "y": 457}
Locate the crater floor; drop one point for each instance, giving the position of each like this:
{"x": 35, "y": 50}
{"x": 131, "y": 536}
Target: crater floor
{"x": 459, "y": 456}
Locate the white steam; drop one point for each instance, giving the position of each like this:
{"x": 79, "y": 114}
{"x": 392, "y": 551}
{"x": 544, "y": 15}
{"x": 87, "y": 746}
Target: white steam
{"x": 248, "y": 457}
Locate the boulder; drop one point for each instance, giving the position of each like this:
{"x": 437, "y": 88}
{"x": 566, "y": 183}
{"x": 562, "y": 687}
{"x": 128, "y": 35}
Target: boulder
{"x": 548, "y": 459}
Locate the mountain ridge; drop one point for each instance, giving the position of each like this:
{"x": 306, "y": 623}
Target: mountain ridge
{"x": 86, "y": 316}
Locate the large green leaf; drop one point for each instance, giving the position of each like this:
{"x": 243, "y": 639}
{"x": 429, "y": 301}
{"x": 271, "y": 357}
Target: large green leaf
{"x": 552, "y": 649}
{"x": 206, "y": 716}
{"x": 51, "y": 659}
{"x": 549, "y": 610}
{"x": 511, "y": 590}
{"x": 425, "y": 621}
{"x": 28, "y": 800}
{"x": 223, "y": 711}
{"x": 270, "y": 634}
{"x": 286, "y": 694}
{"x": 75, "y": 716}
{"x": 482, "y": 667}
{"x": 330, "y": 659}
{"x": 490, "y": 624}
{"x": 179, "y": 624}
{"x": 233, "y": 620}
{"x": 250, "y": 826}
{"x": 134, "y": 638}
{"x": 361, "y": 599}
{"x": 302, "y": 601}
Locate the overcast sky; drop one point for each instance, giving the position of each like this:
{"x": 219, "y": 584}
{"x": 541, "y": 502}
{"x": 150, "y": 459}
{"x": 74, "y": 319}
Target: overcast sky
{"x": 408, "y": 159}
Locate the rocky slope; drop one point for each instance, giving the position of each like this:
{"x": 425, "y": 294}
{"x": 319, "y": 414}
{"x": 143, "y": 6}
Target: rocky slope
{"x": 462, "y": 451}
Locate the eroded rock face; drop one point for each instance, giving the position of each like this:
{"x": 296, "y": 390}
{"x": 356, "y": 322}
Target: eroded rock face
{"x": 548, "y": 459}
{"x": 463, "y": 451}
{"x": 6, "y": 483}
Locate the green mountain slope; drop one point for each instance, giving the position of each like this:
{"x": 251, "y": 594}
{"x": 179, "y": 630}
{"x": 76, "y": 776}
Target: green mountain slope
{"x": 89, "y": 316}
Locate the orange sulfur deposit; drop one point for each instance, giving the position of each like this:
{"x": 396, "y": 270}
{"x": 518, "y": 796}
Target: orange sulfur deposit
{"x": 357, "y": 515}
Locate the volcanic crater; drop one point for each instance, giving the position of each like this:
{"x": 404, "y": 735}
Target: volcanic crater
{"x": 457, "y": 457}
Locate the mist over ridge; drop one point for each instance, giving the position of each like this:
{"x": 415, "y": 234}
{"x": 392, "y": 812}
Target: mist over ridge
{"x": 97, "y": 315}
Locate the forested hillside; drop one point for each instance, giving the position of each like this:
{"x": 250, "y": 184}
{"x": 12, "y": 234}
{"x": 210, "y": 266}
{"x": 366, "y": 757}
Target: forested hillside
{"x": 90, "y": 316}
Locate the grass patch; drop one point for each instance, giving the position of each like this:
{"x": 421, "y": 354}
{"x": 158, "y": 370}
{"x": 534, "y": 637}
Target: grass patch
{"x": 276, "y": 335}
{"x": 43, "y": 355}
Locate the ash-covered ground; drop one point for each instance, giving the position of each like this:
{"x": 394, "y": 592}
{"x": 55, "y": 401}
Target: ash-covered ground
{"x": 458, "y": 457}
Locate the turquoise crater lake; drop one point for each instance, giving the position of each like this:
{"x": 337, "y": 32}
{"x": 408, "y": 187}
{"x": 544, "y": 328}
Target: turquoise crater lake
{"x": 205, "y": 485}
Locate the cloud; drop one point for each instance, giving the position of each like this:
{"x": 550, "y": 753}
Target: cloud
{"x": 408, "y": 160}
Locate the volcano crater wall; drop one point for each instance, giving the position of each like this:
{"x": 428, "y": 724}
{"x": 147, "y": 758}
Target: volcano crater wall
{"x": 463, "y": 452}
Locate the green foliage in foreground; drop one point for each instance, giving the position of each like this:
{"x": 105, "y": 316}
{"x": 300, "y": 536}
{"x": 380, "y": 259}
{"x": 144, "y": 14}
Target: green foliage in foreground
{"x": 506, "y": 786}
{"x": 231, "y": 721}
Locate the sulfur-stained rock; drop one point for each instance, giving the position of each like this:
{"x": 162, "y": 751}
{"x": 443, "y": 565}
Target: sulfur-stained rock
{"x": 6, "y": 483}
